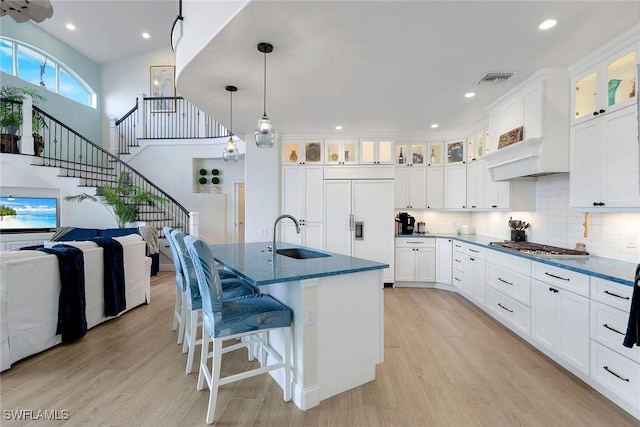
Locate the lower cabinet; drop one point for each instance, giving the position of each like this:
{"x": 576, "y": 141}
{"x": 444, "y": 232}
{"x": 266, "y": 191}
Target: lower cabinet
{"x": 514, "y": 314}
{"x": 560, "y": 323}
{"x": 444, "y": 260}
{"x": 415, "y": 260}
{"x": 474, "y": 273}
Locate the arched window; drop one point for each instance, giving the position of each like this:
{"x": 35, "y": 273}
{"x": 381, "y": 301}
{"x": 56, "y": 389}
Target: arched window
{"x": 38, "y": 67}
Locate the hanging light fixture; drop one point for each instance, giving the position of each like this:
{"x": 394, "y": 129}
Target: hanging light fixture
{"x": 230, "y": 152}
{"x": 265, "y": 136}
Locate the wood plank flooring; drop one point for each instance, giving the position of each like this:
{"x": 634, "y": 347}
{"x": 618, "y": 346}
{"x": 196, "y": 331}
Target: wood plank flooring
{"x": 446, "y": 364}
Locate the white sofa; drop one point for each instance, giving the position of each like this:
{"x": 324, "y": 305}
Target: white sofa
{"x": 30, "y": 287}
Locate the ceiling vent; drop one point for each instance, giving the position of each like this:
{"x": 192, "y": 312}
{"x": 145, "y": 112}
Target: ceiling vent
{"x": 494, "y": 78}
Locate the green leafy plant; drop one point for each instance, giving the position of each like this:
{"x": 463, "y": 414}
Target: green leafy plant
{"x": 11, "y": 113}
{"x": 124, "y": 199}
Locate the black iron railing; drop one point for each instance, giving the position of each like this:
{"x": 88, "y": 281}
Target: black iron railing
{"x": 165, "y": 118}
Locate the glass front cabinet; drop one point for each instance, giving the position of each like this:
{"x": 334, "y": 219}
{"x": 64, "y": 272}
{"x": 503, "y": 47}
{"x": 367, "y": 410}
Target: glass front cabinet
{"x": 411, "y": 154}
{"x": 302, "y": 152}
{"x": 454, "y": 152}
{"x": 341, "y": 152}
{"x": 376, "y": 152}
{"x": 606, "y": 87}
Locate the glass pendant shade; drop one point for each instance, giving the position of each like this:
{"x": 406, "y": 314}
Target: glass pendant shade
{"x": 265, "y": 136}
{"x": 230, "y": 152}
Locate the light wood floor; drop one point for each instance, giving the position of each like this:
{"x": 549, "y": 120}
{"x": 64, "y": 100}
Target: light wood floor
{"x": 446, "y": 364}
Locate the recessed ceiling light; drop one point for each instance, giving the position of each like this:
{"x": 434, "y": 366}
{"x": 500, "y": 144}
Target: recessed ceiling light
{"x": 338, "y": 127}
{"x": 435, "y": 125}
{"x": 469, "y": 94}
{"x": 549, "y": 23}
{"x": 146, "y": 35}
{"x": 70, "y": 27}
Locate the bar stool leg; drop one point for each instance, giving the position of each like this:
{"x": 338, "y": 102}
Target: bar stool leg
{"x": 204, "y": 374}
{"x": 286, "y": 358}
{"x": 190, "y": 339}
{"x": 215, "y": 379}
{"x": 183, "y": 318}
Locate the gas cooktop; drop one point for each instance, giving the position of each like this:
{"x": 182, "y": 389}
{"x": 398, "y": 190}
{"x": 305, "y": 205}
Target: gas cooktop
{"x": 530, "y": 248}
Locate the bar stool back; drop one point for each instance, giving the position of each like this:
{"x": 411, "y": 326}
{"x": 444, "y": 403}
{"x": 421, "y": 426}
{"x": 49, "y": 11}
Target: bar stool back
{"x": 180, "y": 306}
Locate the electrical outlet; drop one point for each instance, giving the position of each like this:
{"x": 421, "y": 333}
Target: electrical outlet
{"x": 632, "y": 240}
{"x": 310, "y": 315}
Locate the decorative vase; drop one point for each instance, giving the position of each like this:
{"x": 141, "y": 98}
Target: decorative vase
{"x": 613, "y": 86}
{"x": 633, "y": 89}
{"x": 293, "y": 157}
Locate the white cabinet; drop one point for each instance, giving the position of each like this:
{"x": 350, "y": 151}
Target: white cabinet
{"x": 606, "y": 86}
{"x": 560, "y": 314}
{"x": 444, "y": 261}
{"x": 341, "y": 152}
{"x": 474, "y": 273}
{"x": 455, "y": 187}
{"x": 376, "y": 152}
{"x": 458, "y": 266}
{"x": 415, "y": 260}
{"x": 411, "y": 154}
{"x": 303, "y": 197}
{"x": 410, "y": 187}
{"x": 435, "y": 187}
{"x": 605, "y": 163}
{"x": 301, "y": 152}
{"x": 476, "y": 180}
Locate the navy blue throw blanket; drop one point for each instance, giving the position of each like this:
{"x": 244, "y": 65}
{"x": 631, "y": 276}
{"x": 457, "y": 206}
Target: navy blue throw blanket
{"x": 114, "y": 286}
{"x": 72, "y": 305}
{"x": 633, "y": 327}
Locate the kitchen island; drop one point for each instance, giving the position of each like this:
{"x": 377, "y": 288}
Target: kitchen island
{"x": 338, "y": 313}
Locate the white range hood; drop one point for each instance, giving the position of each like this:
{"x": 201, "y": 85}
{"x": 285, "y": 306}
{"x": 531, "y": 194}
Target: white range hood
{"x": 524, "y": 158}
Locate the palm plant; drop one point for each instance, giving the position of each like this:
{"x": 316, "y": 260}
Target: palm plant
{"x": 124, "y": 199}
{"x": 11, "y": 114}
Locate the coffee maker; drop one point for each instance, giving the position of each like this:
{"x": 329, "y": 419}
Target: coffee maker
{"x": 407, "y": 223}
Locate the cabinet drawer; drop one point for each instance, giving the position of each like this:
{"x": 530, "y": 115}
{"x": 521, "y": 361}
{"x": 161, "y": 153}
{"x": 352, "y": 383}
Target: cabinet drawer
{"x": 566, "y": 279}
{"x": 415, "y": 243}
{"x": 618, "y": 374}
{"x": 458, "y": 279}
{"x": 473, "y": 250}
{"x": 516, "y": 264}
{"x": 458, "y": 261}
{"x": 515, "y": 285}
{"x": 457, "y": 246}
{"x": 611, "y": 293}
{"x": 608, "y": 327}
{"x": 516, "y": 315}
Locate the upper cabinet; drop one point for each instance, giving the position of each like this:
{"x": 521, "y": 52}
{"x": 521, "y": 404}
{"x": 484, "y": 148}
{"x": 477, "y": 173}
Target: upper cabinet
{"x": 435, "y": 152}
{"x": 376, "y": 152}
{"x": 341, "y": 152}
{"x": 411, "y": 154}
{"x": 302, "y": 152}
{"x": 454, "y": 152}
{"x": 477, "y": 145}
{"x": 605, "y": 87}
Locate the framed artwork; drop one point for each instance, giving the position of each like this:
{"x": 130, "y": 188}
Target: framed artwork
{"x": 162, "y": 83}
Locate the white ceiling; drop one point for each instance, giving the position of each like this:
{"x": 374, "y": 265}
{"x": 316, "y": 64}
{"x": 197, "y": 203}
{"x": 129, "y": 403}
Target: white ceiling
{"x": 374, "y": 67}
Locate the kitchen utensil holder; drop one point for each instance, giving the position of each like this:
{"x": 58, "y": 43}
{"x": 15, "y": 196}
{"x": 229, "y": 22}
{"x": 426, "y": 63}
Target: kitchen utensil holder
{"x": 518, "y": 236}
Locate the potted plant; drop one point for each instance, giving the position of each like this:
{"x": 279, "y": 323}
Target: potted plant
{"x": 124, "y": 199}
{"x": 11, "y": 115}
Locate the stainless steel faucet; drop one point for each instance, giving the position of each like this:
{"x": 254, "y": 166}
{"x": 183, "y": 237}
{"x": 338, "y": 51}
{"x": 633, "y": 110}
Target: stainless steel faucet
{"x": 275, "y": 224}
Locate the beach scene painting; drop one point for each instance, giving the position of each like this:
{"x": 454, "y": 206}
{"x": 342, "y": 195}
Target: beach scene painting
{"x": 28, "y": 213}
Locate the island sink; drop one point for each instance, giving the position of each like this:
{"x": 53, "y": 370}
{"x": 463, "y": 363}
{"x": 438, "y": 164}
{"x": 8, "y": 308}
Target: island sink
{"x": 298, "y": 253}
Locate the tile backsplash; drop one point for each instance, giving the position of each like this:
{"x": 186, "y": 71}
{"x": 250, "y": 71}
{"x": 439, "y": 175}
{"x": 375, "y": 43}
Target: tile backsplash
{"x": 553, "y": 223}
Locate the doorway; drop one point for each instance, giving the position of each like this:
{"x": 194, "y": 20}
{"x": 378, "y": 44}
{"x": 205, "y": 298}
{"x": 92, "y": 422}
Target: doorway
{"x": 238, "y": 212}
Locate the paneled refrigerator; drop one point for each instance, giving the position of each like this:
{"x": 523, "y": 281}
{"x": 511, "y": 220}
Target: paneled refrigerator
{"x": 359, "y": 220}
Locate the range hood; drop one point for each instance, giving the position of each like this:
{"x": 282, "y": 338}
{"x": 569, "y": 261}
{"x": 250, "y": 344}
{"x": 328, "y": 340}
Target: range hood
{"x": 529, "y": 157}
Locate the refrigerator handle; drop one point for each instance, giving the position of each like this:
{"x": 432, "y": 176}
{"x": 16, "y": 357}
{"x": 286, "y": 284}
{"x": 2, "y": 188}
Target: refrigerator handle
{"x": 351, "y": 222}
{"x": 359, "y": 235}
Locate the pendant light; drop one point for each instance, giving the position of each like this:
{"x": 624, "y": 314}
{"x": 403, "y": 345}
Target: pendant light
{"x": 230, "y": 152}
{"x": 265, "y": 135}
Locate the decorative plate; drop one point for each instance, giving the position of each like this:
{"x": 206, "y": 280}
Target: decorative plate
{"x": 312, "y": 152}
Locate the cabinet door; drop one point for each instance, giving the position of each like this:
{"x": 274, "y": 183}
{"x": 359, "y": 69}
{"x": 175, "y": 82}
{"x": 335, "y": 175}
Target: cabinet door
{"x": 469, "y": 272}
{"x": 620, "y": 145}
{"x": 455, "y": 187}
{"x": 532, "y": 111}
{"x": 586, "y": 164}
{"x": 497, "y": 194}
{"x": 544, "y": 314}
{"x": 313, "y": 194}
{"x": 289, "y": 234}
{"x": 573, "y": 329}
{"x": 292, "y": 190}
{"x": 475, "y": 184}
{"x": 425, "y": 264}
{"x": 385, "y": 153}
{"x": 401, "y": 187}
{"x": 479, "y": 281}
{"x": 417, "y": 187}
{"x": 444, "y": 261}
{"x": 585, "y": 92}
{"x": 405, "y": 264}
{"x": 313, "y": 235}
{"x": 435, "y": 187}
{"x": 368, "y": 152}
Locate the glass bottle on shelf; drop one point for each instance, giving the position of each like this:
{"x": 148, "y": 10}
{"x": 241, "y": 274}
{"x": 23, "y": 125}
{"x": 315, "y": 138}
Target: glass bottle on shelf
{"x": 433, "y": 156}
{"x": 401, "y": 157}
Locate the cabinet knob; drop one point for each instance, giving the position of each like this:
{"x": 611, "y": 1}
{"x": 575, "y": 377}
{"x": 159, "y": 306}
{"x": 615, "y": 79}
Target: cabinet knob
{"x": 601, "y": 111}
{"x": 595, "y": 113}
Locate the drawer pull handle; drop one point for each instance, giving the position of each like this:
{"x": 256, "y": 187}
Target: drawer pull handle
{"x": 504, "y": 281}
{"x": 553, "y": 290}
{"x": 473, "y": 250}
{"x": 457, "y": 260}
{"x": 415, "y": 243}
{"x": 614, "y": 295}
{"x": 612, "y": 329}
{"x": 557, "y": 277}
{"x": 606, "y": 368}
{"x": 505, "y": 308}
{"x": 455, "y": 278}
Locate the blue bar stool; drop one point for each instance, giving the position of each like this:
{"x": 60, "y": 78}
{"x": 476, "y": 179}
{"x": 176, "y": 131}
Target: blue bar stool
{"x": 226, "y": 319}
{"x": 180, "y": 306}
{"x": 231, "y": 288}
